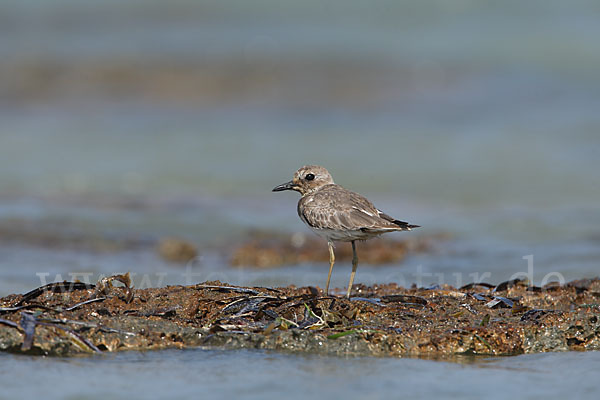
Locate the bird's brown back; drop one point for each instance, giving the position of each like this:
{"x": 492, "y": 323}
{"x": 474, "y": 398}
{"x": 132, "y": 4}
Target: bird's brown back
{"x": 334, "y": 207}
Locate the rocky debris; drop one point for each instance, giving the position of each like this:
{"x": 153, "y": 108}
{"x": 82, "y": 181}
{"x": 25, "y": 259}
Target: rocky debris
{"x": 267, "y": 251}
{"x": 260, "y": 249}
{"x": 177, "y": 250}
{"x": 18, "y": 231}
{"x": 204, "y": 81}
{"x": 70, "y": 318}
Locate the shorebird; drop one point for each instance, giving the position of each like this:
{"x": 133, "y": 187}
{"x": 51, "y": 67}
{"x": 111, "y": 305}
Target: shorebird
{"x": 337, "y": 214}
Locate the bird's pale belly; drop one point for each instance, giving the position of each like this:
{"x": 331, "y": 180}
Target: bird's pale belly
{"x": 333, "y": 235}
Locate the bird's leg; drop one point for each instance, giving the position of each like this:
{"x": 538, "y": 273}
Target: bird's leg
{"x": 331, "y": 261}
{"x": 354, "y": 265}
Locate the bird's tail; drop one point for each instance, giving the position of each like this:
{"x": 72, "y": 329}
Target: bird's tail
{"x": 402, "y": 224}
{"x": 405, "y": 225}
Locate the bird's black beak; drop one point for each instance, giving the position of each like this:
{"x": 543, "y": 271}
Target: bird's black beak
{"x": 285, "y": 186}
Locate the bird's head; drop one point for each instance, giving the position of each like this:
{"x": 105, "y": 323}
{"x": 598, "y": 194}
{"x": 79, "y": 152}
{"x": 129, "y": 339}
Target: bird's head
{"x": 307, "y": 179}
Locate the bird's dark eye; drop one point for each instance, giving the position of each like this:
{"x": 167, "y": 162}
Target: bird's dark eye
{"x": 309, "y": 177}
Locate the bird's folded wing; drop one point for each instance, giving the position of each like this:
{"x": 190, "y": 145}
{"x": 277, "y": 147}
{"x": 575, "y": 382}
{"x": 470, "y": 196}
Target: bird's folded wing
{"x": 355, "y": 213}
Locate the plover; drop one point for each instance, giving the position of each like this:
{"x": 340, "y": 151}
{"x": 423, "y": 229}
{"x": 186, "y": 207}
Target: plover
{"x": 337, "y": 214}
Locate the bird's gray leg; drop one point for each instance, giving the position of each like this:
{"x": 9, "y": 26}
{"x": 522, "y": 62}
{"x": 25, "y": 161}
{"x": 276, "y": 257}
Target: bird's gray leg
{"x": 331, "y": 261}
{"x": 354, "y": 265}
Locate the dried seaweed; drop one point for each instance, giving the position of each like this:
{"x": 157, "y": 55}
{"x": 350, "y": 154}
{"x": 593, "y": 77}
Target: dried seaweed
{"x": 581, "y": 285}
{"x": 227, "y": 289}
{"x": 29, "y": 322}
{"x": 159, "y": 312}
{"x": 479, "y": 296}
{"x": 405, "y": 299}
{"x": 9, "y": 323}
{"x": 500, "y": 302}
{"x": 509, "y": 284}
{"x": 24, "y": 307}
{"x": 375, "y": 301}
{"x": 475, "y": 285}
{"x": 105, "y": 284}
{"x": 82, "y": 303}
{"x": 389, "y": 320}
{"x": 46, "y": 308}
{"x": 56, "y": 287}
{"x": 86, "y": 325}
{"x": 534, "y": 315}
{"x": 552, "y": 286}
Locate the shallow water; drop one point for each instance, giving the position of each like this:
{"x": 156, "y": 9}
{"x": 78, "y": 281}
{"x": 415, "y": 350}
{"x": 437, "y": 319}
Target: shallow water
{"x": 258, "y": 374}
{"x": 477, "y": 120}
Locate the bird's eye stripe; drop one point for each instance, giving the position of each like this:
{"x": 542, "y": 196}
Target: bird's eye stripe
{"x": 309, "y": 177}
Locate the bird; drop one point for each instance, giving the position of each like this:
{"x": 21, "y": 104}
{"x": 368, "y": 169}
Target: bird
{"x": 338, "y": 214}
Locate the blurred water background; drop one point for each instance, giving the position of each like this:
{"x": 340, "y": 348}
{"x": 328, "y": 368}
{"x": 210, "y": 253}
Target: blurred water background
{"x": 144, "y": 119}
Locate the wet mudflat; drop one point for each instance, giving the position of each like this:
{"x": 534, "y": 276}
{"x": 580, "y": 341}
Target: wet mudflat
{"x": 511, "y": 318}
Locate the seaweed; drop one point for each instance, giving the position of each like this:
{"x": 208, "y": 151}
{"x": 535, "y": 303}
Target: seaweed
{"x": 56, "y": 287}
{"x": 387, "y": 321}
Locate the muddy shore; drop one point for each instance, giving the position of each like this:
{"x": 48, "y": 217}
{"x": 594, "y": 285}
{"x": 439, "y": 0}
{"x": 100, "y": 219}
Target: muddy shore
{"x": 66, "y": 318}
